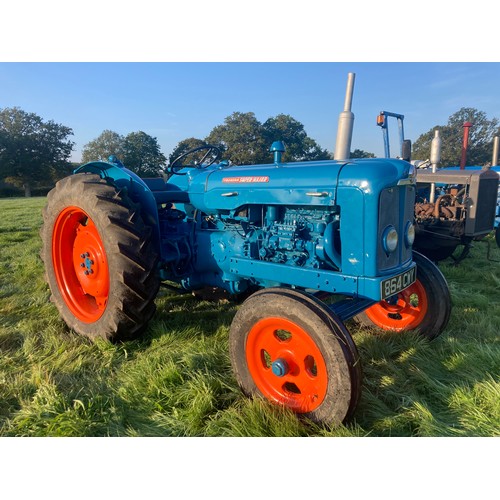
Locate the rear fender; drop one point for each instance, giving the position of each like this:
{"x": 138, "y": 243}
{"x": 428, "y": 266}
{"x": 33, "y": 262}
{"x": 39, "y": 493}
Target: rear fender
{"x": 114, "y": 172}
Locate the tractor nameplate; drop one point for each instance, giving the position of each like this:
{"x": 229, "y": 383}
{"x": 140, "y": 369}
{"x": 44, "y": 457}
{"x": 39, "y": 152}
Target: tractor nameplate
{"x": 392, "y": 286}
{"x": 245, "y": 179}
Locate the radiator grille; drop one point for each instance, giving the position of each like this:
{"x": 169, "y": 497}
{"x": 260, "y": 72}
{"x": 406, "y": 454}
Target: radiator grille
{"x": 482, "y": 219}
{"x": 396, "y": 208}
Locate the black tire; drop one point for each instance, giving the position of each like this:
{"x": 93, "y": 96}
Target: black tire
{"x": 335, "y": 381}
{"x": 431, "y": 289}
{"x": 497, "y": 235}
{"x": 439, "y": 253}
{"x": 119, "y": 306}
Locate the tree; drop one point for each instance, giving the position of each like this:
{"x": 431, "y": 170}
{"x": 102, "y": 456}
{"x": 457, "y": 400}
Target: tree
{"x": 480, "y": 139}
{"x": 184, "y": 146}
{"x": 299, "y": 146}
{"x": 32, "y": 151}
{"x": 359, "y": 153}
{"x": 141, "y": 154}
{"x": 107, "y": 144}
{"x": 242, "y": 138}
{"x": 246, "y": 141}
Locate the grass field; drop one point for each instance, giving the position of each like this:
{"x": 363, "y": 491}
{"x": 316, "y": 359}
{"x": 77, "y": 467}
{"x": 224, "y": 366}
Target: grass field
{"x": 177, "y": 379}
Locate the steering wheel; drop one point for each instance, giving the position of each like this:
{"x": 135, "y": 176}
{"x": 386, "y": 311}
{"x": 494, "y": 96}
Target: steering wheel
{"x": 176, "y": 165}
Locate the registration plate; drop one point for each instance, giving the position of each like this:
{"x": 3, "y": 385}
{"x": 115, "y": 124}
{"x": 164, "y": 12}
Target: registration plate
{"x": 392, "y": 286}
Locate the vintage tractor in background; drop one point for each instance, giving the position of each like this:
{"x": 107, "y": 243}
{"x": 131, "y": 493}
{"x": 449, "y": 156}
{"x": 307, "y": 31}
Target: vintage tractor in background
{"x": 454, "y": 206}
{"x": 494, "y": 167}
{"x": 286, "y": 234}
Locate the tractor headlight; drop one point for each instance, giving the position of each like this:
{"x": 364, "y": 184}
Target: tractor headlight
{"x": 409, "y": 234}
{"x": 390, "y": 239}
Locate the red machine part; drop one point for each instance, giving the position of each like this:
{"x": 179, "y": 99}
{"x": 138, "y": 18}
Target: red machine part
{"x": 465, "y": 144}
{"x": 286, "y": 364}
{"x": 84, "y": 285}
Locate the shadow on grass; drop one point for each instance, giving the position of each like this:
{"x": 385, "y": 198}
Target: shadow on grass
{"x": 416, "y": 387}
{"x": 188, "y": 317}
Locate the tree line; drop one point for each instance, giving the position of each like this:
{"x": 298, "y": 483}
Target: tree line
{"x": 35, "y": 152}
{"x": 32, "y": 151}
{"x": 480, "y": 149}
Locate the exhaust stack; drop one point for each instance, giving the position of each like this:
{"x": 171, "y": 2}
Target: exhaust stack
{"x": 346, "y": 124}
{"x": 435, "y": 159}
{"x": 494, "y": 161}
{"x": 465, "y": 144}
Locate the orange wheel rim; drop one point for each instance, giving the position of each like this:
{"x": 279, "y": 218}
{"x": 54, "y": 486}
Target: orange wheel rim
{"x": 80, "y": 264}
{"x": 286, "y": 364}
{"x": 406, "y": 313}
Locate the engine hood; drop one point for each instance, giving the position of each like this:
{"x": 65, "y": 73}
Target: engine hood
{"x": 298, "y": 183}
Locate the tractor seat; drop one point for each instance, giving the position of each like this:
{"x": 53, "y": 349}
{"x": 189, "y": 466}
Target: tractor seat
{"x": 165, "y": 192}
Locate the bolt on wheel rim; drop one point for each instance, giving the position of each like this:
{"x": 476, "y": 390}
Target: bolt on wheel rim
{"x": 286, "y": 364}
{"x": 406, "y": 313}
{"x": 80, "y": 264}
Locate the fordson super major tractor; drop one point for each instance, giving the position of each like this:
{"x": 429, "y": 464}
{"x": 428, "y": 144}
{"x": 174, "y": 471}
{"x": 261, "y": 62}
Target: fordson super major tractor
{"x": 289, "y": 233}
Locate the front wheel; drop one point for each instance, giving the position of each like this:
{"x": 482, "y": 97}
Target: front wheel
{"x": 424, "y": 306}
{"x": 289, "y": 348}
{"x": 99, "y": 258}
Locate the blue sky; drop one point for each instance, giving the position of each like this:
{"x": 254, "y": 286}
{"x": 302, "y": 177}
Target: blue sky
{"x": 172, "y": 101}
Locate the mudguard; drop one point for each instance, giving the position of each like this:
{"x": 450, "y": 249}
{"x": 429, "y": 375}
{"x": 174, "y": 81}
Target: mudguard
{"x": 114, "y": 171}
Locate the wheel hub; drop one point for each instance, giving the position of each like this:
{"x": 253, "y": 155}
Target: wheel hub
{"x": 80, "y": 264}
{"x": 280, "y": 367}
{"x": 286, "y": 364}
{"x": 403, "y": 312}
{"x": 89, "y": 262}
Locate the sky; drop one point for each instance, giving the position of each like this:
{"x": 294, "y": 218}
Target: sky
{"x": 176, "y": 100}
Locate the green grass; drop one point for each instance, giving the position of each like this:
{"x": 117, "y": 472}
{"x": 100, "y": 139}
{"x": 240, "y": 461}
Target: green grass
{"x": 177, "y": 379}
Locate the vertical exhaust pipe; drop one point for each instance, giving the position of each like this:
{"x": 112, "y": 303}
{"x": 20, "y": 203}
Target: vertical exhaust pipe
{"x": 435, "y": 159}
{"x": 346, "y": 124}
{"x": 496, "y": 141}
{"x": 465, "y": 145}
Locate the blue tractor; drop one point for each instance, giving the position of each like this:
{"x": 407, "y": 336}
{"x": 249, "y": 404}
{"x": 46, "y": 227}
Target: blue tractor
{"x": 285, "y": 235}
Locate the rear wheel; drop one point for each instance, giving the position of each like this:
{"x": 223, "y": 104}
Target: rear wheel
{"x": 289, "y": 348}
{"x": 424, "y": 306}
{"x": 99, "y": 258}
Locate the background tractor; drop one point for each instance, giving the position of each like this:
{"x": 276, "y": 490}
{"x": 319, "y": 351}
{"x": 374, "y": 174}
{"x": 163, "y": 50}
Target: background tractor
{"x": 494, "y": 167}
{"x": 285, "y": 234}
{"x": 454, "y": 206}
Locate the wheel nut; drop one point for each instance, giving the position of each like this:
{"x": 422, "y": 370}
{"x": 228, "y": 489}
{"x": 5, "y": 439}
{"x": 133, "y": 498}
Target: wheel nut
{"x": 280, "y": 367}
{"x": 86, "y": 273}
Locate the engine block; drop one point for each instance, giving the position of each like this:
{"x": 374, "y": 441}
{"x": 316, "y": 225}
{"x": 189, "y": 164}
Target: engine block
{"x": 292, "y": 236}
